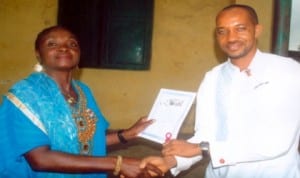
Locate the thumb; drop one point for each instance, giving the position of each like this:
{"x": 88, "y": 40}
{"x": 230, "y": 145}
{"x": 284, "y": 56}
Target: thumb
{"x": 143, "y": 164}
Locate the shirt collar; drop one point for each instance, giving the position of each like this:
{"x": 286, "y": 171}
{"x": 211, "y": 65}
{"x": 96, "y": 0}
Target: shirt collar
{"x": 254, "y": 67}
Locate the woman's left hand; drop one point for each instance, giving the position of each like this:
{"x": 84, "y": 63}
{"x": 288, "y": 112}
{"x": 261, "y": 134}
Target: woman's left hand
{"x": 137, "y": 127}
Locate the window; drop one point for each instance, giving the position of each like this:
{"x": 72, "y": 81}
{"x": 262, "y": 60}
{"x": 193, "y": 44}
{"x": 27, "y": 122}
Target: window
{"x": 113, "y": 34}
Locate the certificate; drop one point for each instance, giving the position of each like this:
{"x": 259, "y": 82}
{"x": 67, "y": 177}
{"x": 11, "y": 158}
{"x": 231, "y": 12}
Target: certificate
{"x": 169, "y": 111}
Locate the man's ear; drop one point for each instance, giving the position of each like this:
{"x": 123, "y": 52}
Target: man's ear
{"x": 258, "y": 30}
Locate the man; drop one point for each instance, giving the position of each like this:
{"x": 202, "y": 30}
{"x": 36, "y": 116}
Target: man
{"x": 247, "y": 113}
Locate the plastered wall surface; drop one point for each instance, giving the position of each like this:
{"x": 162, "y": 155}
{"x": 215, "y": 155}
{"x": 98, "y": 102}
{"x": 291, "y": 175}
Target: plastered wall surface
{"x": 183, "y": 49}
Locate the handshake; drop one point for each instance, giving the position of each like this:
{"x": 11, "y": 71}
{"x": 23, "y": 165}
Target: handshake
{"x": 156, "y": 166}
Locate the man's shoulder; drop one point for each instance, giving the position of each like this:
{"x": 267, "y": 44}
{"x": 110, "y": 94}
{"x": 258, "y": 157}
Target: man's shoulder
{"x": 284, "y": 69}
{"x": 278, "y": 58}
{"x": 282, "y": 62}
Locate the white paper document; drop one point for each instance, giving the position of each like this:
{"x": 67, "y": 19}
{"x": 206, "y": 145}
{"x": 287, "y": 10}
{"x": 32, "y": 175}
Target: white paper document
{"x": 169, "y": 111}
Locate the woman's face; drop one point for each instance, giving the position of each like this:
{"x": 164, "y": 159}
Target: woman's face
{"x": 58, "y": 50}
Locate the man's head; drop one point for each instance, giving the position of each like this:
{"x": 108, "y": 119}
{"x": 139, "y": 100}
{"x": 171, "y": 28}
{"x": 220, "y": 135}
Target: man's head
{"x": 237, "y": 30}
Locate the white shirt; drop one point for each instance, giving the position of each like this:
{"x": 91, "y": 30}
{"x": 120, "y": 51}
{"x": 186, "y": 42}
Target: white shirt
{"x": 250, "y": 118}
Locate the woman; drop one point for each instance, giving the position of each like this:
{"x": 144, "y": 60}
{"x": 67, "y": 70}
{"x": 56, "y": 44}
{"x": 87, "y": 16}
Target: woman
{"x": 51, "y": 125}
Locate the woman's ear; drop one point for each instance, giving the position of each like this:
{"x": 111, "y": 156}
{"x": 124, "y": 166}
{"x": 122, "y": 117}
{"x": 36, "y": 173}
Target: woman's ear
{"x": 38, "y": 57}
{"x": 38, "y": 67}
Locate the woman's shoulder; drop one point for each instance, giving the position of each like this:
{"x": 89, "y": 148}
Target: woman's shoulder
{"x": 29, "y": 82}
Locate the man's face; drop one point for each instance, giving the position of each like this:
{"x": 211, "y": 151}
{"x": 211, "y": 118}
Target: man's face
{"x": 236, "y": 33}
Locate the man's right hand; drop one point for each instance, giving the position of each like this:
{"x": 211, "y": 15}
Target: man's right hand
{"x": 163, "y": 163}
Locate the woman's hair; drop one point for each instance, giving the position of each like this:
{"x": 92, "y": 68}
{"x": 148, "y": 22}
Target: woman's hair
{"x": 47, "y": 30}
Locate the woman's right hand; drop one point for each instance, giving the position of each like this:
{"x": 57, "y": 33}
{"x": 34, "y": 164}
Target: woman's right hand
{"x": 162, "y": 163}
{"x": 130, "y": 168}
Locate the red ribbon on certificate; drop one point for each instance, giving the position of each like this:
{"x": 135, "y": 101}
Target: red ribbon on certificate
{"x": 168, "y": 137}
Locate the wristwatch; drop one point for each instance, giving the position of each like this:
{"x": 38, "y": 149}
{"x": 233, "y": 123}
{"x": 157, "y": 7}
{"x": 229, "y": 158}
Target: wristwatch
{"x": 204, "y": 148}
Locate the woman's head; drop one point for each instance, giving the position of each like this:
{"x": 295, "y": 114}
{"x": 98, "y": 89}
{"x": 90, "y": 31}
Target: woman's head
{"x": 57, "y": 48}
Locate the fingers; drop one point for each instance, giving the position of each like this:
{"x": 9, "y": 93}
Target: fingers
{"x": 146, "y": 160}
{"x": 173, "y": 147}
{"x": 143, "y": 119}
{"x": 143, "y": 164}
{"x": 140, "y": 125}
{"x": 153, "y": 170}
{"x": 146, "y": 121}
{"x": 151, "y": 166}
{"x": 168, "y": 148}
